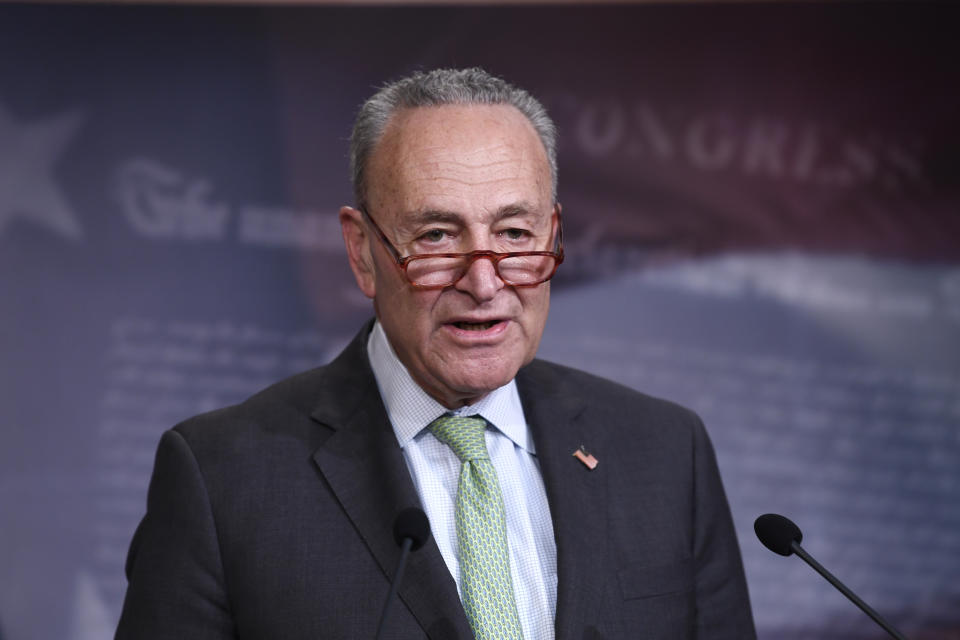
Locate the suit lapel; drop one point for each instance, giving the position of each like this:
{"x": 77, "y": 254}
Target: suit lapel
{"x": 364, "y": 467}
{"x": 577, "y": 495}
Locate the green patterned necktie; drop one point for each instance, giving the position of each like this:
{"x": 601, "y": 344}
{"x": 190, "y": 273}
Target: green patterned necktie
{"x": 481, "y": 532}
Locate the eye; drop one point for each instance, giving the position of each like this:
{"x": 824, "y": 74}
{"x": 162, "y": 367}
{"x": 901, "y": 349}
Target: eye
{"x": 516, "y": 234}
{"x": 434, "y": 235}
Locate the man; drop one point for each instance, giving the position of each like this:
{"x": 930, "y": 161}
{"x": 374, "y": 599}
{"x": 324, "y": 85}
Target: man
{"x": 272, "y": 519}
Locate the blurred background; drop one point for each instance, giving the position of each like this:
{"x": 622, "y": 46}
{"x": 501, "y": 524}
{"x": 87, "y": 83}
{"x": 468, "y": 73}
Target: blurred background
{"x": 761, "y": 206}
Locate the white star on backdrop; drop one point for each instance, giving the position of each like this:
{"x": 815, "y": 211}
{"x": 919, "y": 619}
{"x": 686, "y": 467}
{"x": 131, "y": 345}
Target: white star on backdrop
{"x": 28, "y": 153}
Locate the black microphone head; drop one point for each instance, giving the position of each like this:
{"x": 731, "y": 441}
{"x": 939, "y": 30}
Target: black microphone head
{"x": 777, "y": 533}
{"x": 412, "y": 523}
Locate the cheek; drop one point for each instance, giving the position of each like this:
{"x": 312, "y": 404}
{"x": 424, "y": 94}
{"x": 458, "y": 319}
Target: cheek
{"x": 411, "y": 309}
{"x": 536, "y": 305}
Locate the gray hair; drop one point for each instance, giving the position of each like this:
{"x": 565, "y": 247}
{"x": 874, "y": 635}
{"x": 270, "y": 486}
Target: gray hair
{"x": 436, "y": 88}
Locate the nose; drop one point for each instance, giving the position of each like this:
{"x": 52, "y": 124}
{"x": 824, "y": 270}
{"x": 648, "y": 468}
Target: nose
{"x": 480, "y": 281}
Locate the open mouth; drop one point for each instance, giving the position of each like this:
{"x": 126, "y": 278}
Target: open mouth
{"x": 476, "y": 326}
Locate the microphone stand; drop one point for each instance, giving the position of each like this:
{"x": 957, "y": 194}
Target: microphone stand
{"x": 842, "y": 588}
{"x": 401, "y": 565}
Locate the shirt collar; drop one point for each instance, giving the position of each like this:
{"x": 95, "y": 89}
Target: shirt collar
{"x": 411, "y": 409}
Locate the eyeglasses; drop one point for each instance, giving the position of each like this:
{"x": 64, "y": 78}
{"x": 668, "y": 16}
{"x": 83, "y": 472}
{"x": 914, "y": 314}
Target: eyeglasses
{"x": 439, "y": 270}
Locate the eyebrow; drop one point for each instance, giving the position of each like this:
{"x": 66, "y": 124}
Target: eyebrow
{"x": 512, "y": 210}
{"x": 432, "y": 215}
{"x": 515, "y": 210}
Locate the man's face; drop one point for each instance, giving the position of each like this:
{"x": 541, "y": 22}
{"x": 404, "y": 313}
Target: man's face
{"x": 456, "y": 179}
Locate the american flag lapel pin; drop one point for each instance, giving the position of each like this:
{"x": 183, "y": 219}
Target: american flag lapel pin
{"x": 586, "y": 458}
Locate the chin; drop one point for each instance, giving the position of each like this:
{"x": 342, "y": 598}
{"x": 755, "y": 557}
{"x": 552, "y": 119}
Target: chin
{"x": 479, "y": 383}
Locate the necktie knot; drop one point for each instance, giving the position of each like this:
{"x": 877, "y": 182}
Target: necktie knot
{"x": 462, "y": 434}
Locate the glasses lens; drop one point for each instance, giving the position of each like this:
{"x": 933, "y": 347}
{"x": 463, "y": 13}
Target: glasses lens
{"x": 435, "y": 272}
{"x": 526, "y": 269}
{"x": 432, "y": 271}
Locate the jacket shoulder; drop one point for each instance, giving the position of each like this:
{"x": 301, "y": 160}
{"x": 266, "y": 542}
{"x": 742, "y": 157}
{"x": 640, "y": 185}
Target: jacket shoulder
{"x": 600, "y": 393}
{"x": 287, "y": 406}
{"x": 290, "y": 394}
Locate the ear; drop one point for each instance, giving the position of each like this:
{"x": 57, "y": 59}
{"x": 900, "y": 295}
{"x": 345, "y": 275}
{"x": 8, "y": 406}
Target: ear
{"x": 556, "y": 210}
{"x": 358, "y": 249}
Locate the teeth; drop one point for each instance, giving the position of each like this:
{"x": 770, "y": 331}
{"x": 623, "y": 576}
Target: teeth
{"x": 474, "y": 326}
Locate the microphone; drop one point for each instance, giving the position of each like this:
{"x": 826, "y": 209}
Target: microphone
{"x": 411, "y": 530}
{"x": 781, "y": 535}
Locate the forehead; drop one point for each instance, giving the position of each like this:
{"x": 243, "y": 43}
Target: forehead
{"x": 472, "y": 160}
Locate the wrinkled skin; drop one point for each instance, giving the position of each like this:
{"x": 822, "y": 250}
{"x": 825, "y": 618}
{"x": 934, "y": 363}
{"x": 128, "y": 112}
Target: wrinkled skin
{"x": 456, "y": 178}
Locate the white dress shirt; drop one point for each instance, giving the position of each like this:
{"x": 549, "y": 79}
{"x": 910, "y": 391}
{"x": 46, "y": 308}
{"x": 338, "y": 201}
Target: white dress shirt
{"x": 436, "y": 472}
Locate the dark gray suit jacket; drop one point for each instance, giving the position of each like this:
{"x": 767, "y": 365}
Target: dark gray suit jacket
{"x": 272, "y": 519}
